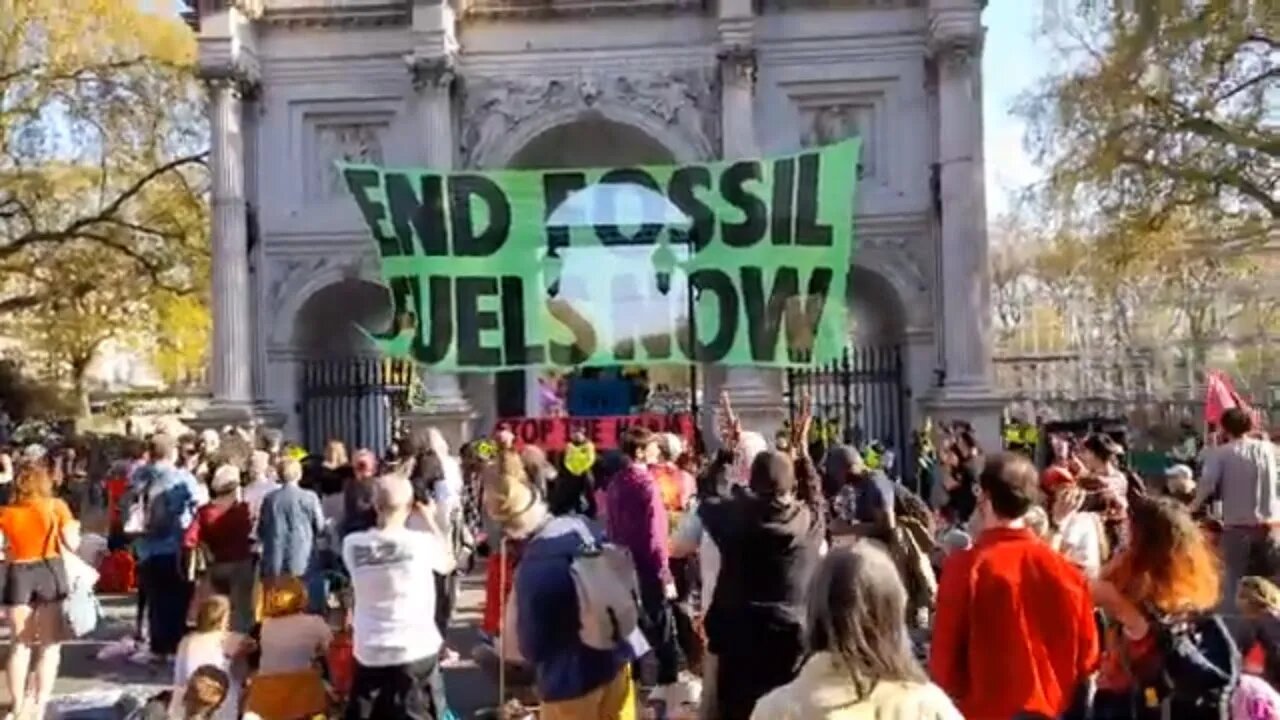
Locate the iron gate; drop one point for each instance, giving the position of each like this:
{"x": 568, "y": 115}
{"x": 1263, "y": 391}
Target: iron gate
{"x": 857, "y": 399}
{"x": 357, "y": 400}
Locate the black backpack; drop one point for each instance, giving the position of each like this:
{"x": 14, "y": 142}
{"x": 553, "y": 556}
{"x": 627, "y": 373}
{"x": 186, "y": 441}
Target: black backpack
{"x": 1197, "y": 669}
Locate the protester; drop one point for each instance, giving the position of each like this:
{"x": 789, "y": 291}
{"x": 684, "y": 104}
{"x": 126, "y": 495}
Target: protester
{"x": 36, "y": 528}
{"x": 1242, "y": 473}
{"x": 334, "y": 470}
{"x": 205, "y": 694}
{"x": 1014, "y": 632}
{"x": 1258, "y": 600}
{"x": 864, "y": 505}
{"x": 770, "y": 541}
{"x": 167, "y": 498}
{"x": 860, "y": 662}
{"x": 396, "y": 637}
{"x": 1167, "y": 569}
{"x": 212, "y": 644}
{"x": 288, "y": 528}
{"x": 427, "y": 475}
{"x": 262, "y": 482}
{"x": 574, "y": 488}
{"x": 1080, "y": 535}
{"x": 358, "y": 513}
{"x": 637, "y": 520}
{"x": 575, "y": 681}
{"x": 288, "y": 684}
{"x": 222, "y": 531}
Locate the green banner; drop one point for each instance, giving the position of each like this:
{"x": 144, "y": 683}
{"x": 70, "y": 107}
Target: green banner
{"x": 738, "y": 263}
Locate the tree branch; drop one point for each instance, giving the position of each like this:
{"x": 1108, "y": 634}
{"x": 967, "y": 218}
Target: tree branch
{"x": 78, "y": 228}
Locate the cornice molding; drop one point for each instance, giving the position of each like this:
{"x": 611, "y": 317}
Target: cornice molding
{"x": 431, "y": 71}
{"x": 507, "y": 9}
{"x": 322, "y": 14}
{"x": 785, "y": 5}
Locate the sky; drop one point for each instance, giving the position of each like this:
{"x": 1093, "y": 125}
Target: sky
{"x": 1014, "y": 58}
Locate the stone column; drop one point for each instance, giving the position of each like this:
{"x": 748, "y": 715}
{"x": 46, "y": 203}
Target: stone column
{"x": 231, "y": 359}
{"x": 965, "y": 276}
{"x": 966, "y": 387}
{"x": 756, "y": 393}
{"x": 433, "y": 79}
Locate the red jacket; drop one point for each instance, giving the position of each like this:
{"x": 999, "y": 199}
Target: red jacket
{"x": 1014, "y": 630}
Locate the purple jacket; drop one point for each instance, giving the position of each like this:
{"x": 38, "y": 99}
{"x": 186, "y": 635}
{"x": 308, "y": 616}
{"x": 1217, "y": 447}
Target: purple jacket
{"x": 638, "y": 521}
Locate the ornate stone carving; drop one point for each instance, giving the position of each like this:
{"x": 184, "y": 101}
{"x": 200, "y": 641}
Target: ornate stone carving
{"x": 494, "y": 107}
{"x": 903, "y": 256}
{"x": 287, "y": 274}
{"x": 359, "y": 142}
{"x": 431, "y": 72}
{"x": 833, "y": 122}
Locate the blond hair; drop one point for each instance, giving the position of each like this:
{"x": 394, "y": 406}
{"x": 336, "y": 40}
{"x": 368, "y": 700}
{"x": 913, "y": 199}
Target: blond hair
{"x": 213, "y": 614}
{"x": 286, "y": 596}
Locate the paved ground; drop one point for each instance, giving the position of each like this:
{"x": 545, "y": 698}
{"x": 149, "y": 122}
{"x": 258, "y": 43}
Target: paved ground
{"x": 83, "y": 674}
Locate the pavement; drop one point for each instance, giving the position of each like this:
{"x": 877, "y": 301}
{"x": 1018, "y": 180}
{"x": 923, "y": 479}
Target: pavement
{"x": 84, "y": 679}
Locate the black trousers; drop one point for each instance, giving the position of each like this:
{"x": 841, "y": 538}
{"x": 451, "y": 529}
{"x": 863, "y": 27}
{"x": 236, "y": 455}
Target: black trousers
{"x": 413, "y": 691}
{"x": 659, "y": 627}
{"x": 167, "y": 596}
{"x": 446, "y": 599}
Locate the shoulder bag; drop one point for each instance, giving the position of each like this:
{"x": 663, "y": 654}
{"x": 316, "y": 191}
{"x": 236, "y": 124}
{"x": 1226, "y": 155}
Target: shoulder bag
{"x": 81, "y": 611}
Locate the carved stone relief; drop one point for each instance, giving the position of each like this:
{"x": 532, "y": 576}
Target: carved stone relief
{"x": 495, "y": 107}
{"x": 342, "y": 142}
{"x": 833, "y": 122}
{"x": 286, "y": 274}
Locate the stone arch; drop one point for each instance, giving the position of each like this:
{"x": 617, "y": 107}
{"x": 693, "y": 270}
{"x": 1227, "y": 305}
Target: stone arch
{"x": 293, "y": 300}
{"x": 897, "y": 277}
{"x": 876, "y": 312}
{"x": 328, "y": 313}
{"x": 682, "y": 145}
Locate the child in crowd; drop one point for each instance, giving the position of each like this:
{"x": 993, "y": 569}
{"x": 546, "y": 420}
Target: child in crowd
{"x": 211, "y": 644}
{"x": 289, "y": 684}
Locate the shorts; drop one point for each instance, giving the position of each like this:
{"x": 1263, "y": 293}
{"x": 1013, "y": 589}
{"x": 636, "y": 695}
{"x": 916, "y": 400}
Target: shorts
{"x": 39, "y": 582}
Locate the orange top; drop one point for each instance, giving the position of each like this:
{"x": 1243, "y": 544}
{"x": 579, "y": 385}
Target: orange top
{"x": 31, "y": 529}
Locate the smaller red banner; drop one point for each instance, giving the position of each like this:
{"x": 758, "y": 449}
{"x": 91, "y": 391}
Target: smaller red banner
{"x": 552, "y": 433}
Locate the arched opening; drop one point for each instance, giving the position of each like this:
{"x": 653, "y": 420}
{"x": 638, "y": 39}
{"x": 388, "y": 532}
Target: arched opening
{"x": 590, "y": 141}
{"x": 347, "y": 391}
{"x": 876, "y": 313}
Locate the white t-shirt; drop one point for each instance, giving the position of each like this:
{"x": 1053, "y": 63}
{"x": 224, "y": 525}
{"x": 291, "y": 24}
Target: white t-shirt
{"x": 395, "y": 594}
{"x": 689, "y": 532}
{"x": 291, "y": 643}
{"x": 1081, "y": 537}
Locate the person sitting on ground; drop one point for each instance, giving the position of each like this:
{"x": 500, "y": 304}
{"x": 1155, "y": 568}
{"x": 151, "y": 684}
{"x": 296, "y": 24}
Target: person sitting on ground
{"x": 212, "y": 644}
{"x": 206, "y": 694}
{"x": 288, "y": 684}
{"x": 859, "y": 664}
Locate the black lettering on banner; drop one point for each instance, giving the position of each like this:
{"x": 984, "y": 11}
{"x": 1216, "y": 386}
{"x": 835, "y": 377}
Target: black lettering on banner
{"x": 733, "y": 187}
{"x": 631, "y": 305}
{"x": 766, "y": 316}
{"x": 466, "y": 241}
{"x": 529, "y": 430}
{"x": 633, "y": 179}
{"x": 717, "y": 282}
{"x": 557, "y": 187}
{"x": 546, "y": 426}
{"x": 593, "y": 431}
{"x": 681, "y": 192}
{"x": 439, "y": 324}
{"x": 808, "y": 231}
{"x": 472, "y": 322}
{"x": 361, "y": 182}
{"x": 784, "y": 189}
{"x": 425, "y": 214}
{"x": 404, "y": 304}
{"x": 515, "y": 346}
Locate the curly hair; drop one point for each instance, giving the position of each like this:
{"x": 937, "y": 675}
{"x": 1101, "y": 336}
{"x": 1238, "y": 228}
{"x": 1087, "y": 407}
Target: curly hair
{"x": 1169, "y": 563}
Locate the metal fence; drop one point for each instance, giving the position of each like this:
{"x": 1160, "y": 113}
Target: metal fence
{"x": 859, "y": 398}
{"x": 358, "y": 400}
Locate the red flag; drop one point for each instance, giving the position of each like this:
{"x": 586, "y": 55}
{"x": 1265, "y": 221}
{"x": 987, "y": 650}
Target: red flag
{"x": 1219, "y": 396}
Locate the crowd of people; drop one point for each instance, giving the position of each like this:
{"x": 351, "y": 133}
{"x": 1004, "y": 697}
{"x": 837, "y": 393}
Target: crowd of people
{"x": 758, "y": 582}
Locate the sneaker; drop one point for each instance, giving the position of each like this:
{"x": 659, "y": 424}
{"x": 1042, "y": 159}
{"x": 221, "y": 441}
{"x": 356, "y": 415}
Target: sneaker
{"x": 143, "y": 657}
